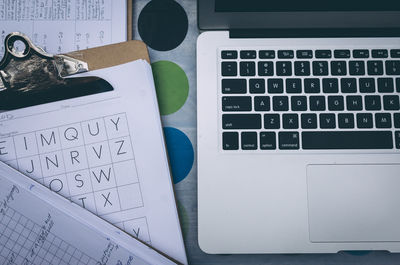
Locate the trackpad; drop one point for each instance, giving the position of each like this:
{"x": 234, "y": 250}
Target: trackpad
{"x": 353, "y": 203}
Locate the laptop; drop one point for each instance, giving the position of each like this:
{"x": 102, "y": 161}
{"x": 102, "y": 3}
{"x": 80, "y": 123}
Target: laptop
{"x": 298, "y": 126}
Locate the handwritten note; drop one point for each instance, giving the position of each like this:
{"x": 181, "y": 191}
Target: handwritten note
{"x": 40, "y": 227}
{"x": 61, "y": 26}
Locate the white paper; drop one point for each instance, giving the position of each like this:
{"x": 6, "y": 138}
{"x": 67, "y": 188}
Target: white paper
{"x": 40, "y": 227}
{"x": 61, "y": 26}
{"x": 104, "y": 152}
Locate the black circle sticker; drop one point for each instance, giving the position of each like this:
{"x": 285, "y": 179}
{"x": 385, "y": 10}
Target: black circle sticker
{"x": 163, "y": 24}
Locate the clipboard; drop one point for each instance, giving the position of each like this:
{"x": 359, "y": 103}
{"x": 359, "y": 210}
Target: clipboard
{"x": 32, "y": 76}
{"x": 22, "y": 74}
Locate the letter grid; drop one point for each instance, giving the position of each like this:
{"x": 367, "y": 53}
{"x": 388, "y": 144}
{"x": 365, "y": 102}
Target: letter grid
{"x": 90, "y": 162}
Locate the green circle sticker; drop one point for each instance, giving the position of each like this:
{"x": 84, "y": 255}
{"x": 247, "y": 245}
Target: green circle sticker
{"x": 172, "y": 86}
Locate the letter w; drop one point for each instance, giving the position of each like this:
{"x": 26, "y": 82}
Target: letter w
{"x": 102, "y": 173}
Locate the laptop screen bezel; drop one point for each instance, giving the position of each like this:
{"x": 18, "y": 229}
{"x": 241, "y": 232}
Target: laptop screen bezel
{"x": 209, "y": 19}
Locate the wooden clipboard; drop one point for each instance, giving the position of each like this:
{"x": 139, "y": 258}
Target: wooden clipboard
{"x": 112, "y": 55}
{"x": 34, "y": 77}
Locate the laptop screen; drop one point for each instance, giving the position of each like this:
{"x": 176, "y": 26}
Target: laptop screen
{"x": 301, "y": 14}
{"x": 307, "y": 5}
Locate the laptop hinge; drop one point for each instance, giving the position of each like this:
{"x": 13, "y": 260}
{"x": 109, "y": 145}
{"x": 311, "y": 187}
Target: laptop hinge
{"x": 314, "y": 33}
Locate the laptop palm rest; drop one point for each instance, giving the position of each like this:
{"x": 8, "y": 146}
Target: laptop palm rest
{"x": 354, "y": 203}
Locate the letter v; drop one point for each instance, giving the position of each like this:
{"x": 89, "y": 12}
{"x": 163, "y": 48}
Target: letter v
{"x": 98, "y": 154}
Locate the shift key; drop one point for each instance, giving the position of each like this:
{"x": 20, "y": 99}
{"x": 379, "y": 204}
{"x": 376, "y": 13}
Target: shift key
{"x": 234, "y": 86}
{"x": 241, "y": 121}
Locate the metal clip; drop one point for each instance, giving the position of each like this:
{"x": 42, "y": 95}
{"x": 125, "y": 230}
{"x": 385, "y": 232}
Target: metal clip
{"x": 31, "y": 68}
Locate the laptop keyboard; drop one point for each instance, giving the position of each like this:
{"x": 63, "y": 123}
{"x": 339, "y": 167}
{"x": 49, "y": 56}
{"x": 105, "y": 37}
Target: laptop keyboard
{"x": 310, "y": 99}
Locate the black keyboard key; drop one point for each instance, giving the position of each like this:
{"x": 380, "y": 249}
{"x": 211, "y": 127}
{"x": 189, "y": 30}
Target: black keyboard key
{"x": 327, "y": 121}
{"x": 360, "y": 53}
{"x": 267, "y": 140}
{"x": 229, "y": 54}
{"x": 330, "y": 85}
{"x": 290, "y": 121}
{"x": 383, "y": 120}
{"x": 241, "y": 121}
{"x": 397, "y": 138}
{"x": 320, "y": 68}
{"x": 275, "y": 86}
{"x": 367, "y": 85}
{"x": 373, "y": 103}
{"x": 357, "y": 68}
{"x": 364, "y": 120}
{"x": 348, "y": 85}
{"x": 272, "y": 121}
{"x": 398, "y": 84}
{"x": 262, "y": 103}
{"x": 391, "y": 103}
{"x": 312, "y": 85}
{"x": 342, "y": 54}
{"x": 304, "y": 54}
{"x": 395, "y": 53}
{"x": 287, "y": 54}
{"x": 354, "y": 103}
{"x": 346, "y": 121}
{"x": 293, "y": 86}
{"x": 375, "y": 67}
{"x": 392, "y": 67}
{"x": 257, "y": 86}
{"x": 322, "y": 54}
{"x": 247, "y": 69}
{"x": 265, "y": 68}
{"x": 234, "y": 86}
{"x": 396, "y": 120}
{"x": 299, "y": 103}
{"x": 385, "y": 85}
{"x": 280, "y": 103}
{"x": 320, "y": 140}
{"x": 289, "y": 141}
{"x": 302, "y": 68}
{"x": 230, "y": 141}
{"x": 266, "y": 54}
{"x": 309, "y": 121}
{"x": 317, "y": 103}
{"x": 335, "y": 103}
{"x": 248, "y": 55}
{"x": 249, "y": 140}
{"x": 229, "y": 68}
{"x": 379, "y": 53}
{"x": 236, "y": 103}
{"x": 284, "y": 68}
{"x": 338, "y": 68}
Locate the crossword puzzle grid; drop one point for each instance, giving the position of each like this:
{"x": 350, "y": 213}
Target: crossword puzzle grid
{"x": 19, "y": 244}
{"x": 90, "y": 162}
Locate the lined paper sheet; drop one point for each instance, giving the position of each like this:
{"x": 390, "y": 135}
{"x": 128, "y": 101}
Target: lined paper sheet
{"x": 40, "y": 227}
{"x": 62, "y": 26}
{"x": 105, "y": 152}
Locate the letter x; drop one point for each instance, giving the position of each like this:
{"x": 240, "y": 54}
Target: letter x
{"x": 107, "y": 200}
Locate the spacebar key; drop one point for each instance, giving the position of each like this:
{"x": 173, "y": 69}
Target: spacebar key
{"x": 241, "y": 121}
{"x": 347, "y": 140}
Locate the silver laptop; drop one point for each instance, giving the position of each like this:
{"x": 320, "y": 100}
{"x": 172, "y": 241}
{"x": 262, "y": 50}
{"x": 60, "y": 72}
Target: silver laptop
{"x": 298, "y": 126}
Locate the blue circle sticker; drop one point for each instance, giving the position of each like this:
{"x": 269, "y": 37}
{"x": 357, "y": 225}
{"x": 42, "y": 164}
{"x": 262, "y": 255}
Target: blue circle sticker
{"x": 180, "y": 152}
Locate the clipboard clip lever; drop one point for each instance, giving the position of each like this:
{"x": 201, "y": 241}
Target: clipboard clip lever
{"x": 26, "y": 67}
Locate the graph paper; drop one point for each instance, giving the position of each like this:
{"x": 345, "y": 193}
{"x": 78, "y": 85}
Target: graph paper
{"x": 38, "y": 226}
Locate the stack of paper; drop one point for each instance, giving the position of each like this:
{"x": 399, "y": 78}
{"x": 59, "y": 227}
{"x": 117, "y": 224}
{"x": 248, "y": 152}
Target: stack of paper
{"x": 105, "y": 152}
{"x": 40, "y": 227}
